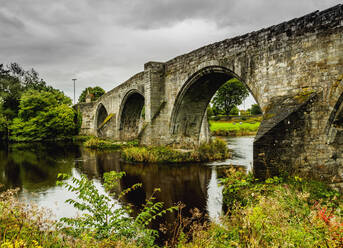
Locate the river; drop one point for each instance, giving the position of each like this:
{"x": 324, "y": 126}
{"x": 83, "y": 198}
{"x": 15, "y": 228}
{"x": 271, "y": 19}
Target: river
{"x": 34, "y": 168}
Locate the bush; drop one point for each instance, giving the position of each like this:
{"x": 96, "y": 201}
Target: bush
{"x": 216, "y": 118}
{"x": 103, "y": 223}
{"x": 234, "y": 111}
{"x": 102, "y": 218}
{"x": 255, "y": 109}
{"x": 44, "y": 115}
{"x": 281, "y": 210}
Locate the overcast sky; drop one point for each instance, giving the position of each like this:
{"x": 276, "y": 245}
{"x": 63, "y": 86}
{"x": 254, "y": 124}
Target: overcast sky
{"x": 104, "y": 42}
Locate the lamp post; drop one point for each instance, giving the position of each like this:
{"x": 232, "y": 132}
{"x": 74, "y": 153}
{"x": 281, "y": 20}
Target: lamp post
{"x": 74, "y": 79}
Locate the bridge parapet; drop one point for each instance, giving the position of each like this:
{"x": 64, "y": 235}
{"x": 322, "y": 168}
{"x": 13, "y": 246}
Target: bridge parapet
{"x": 276, "y": 63}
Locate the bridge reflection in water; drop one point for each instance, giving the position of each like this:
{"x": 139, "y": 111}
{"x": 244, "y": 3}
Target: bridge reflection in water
{"x": 34, "y": 169}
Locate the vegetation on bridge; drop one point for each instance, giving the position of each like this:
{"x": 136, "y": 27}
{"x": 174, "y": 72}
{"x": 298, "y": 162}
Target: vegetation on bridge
{"x": 94, "y": 93}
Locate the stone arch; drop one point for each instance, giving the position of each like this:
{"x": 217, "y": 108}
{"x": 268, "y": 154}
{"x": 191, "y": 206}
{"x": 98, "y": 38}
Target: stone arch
{"x": 130, "y": 114}
{"x": 192, "y": 100}
{"x": 101, "y": 114}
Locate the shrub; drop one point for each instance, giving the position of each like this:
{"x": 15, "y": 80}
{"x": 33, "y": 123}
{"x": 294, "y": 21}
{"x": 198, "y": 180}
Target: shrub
{"x": 26, "y": 225}
{"x": 281, "y": 210}
{"x": 44, "y": 115}
{"x": 102, "y": 218}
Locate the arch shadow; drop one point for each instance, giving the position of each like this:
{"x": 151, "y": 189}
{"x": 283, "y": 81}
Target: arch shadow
{"x": 101, "y": 114}
{"x": 130, "y": 114}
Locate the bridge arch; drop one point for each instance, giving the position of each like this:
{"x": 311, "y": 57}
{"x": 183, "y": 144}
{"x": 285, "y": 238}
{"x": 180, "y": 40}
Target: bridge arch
{"x": 100, "y": 115}
{"x": 130, "y": 114}
{"x": 192, "y": 100}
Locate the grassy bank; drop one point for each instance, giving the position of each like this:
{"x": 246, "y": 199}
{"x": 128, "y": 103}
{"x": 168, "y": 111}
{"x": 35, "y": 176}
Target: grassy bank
{"x": 277, "y": 212}
{"x": 231, "y": 128}
{"x": 215, "y": 150}
{"x": 25, "y": 225}
{"x": 96, "y": 143}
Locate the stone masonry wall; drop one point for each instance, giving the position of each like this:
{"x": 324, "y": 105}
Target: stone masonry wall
{"x": 293, "y": 60}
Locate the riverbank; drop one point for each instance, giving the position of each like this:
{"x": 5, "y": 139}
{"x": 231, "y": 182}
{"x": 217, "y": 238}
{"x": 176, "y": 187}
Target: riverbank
{"x": 101, "y": 144}
{"x": 233, "y": 128}
{"x": 214, "y": 150}
{"x": 278, "y": 212}
{"x": 132, "y": 152}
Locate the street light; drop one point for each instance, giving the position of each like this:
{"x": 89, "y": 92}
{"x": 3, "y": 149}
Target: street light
{"x": 74, "y": 79}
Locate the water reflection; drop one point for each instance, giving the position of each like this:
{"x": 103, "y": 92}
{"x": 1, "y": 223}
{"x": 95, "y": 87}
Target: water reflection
{"x": 34, "y": 168}
{"x": 214, "y": 197}
{"x": 242, "y": 151}
{"x": 181, "y": 183}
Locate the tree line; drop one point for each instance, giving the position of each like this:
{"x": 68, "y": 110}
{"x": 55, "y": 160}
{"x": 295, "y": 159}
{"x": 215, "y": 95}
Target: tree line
{"x": 31, "y": 110}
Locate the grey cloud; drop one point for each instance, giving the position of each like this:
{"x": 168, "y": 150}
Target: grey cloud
{"x": 9, "y": 23}
{"x": 158, "y": 13}
{"x": 107, "y": 41}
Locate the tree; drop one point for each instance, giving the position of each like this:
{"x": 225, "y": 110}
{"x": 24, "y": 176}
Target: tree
{"x": 234, "y": 111}
{"x": 231, "y": 94}
{"x": 44, "y": 115}
{"x": 255, "y": 109}
{"x": 209, "y": 111}
{"x": 27, "y": 105}
{"x": 14, "y": 81}
{"x": 95, "y": 92}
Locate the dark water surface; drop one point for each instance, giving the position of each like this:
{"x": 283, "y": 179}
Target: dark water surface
{"x": 34, "y": 168}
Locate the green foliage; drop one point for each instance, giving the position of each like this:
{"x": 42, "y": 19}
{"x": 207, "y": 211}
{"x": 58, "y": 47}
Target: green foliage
{"x": 234, "y": 110}
{"x": 255, "y": 109}
{"x": 14, "y": 81}
{"x": 279, "y": 211}
{"x": 209, "y": 112}
{"x": 96, "y": 143}
{"x": 3, "y": 126}
{"x": 23, "y": 113}
{"x": 214, "y": 150}
{"x": 44, "y": 115}
{"x": 95, "y": 93}
{"x": 231, "y": 94}
{"x": 25, "y": 225}
{"x": 103, "y": 218}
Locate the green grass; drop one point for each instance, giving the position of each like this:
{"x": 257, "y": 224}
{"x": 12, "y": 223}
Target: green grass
{"x": 226, "y": 128}
{"x": 277, "y": 212}
{"x": 215, "y": 150}
{"x": 284, "y": 211}
{"x": 100, "y": 144}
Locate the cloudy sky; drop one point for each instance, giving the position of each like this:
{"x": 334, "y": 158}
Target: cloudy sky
{"x": 104, "y": 42}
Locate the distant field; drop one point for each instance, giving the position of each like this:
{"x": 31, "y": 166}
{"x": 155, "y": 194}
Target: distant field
{"x": 228, "y": 128}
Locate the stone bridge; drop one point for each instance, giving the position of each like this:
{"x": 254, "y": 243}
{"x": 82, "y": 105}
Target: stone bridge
{"x": 294, "y": 70}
